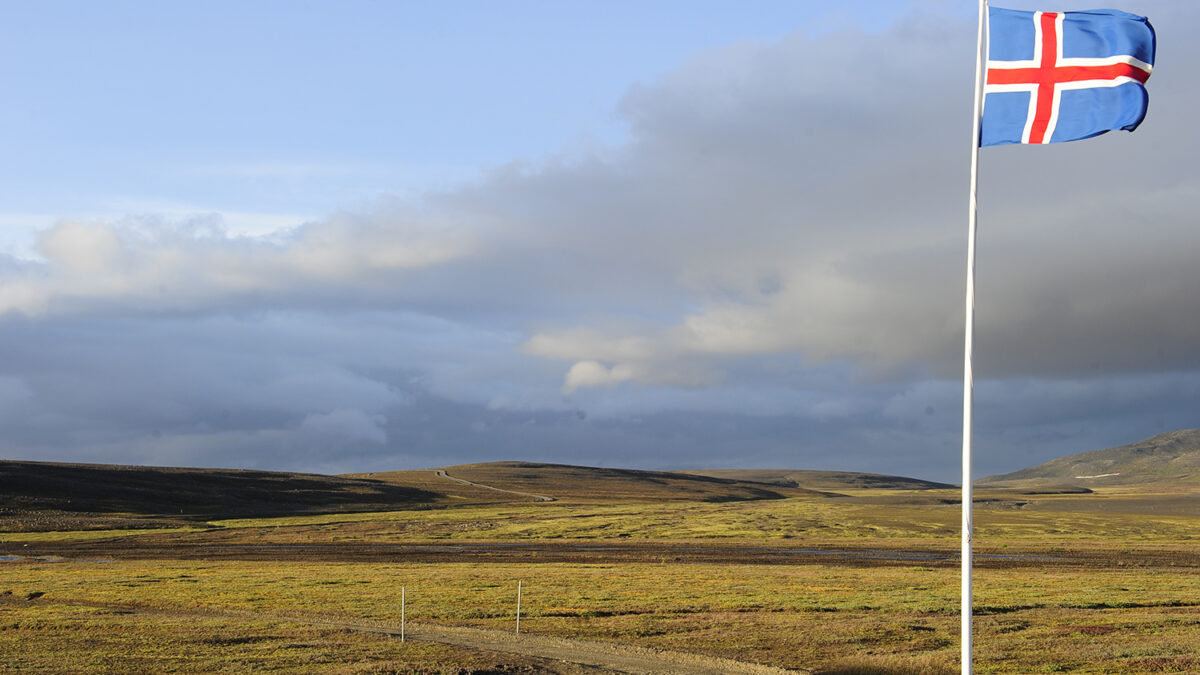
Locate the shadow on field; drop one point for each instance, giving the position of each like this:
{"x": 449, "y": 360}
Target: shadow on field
{"x": 204, "y": 493}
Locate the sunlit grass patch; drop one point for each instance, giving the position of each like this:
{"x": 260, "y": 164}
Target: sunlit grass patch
{"x": 86, "y": 535}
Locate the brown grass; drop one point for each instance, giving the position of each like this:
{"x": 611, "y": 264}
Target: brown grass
{"x": 891, "y": 664}
{"x": 588, "y": 484}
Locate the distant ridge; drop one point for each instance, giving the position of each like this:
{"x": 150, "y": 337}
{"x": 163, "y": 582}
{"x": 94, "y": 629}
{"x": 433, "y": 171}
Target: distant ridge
{"x": 65, "y": 491}
{"x": 57, "y": 490}
{"x": 565, "y": 482}
{"x": 1172, "y": 457}
{"x": 825, "y": 480}
{"x": 171, "y": 491}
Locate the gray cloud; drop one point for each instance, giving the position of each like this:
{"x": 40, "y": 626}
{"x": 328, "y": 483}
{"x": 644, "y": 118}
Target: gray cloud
{"x": 769, "y": 269}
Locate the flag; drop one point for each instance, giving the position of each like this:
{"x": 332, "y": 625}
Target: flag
{"x": 1064, "y": 76}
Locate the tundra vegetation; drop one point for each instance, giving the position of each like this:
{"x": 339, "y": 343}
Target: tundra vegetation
{"x": 828, "y": 580}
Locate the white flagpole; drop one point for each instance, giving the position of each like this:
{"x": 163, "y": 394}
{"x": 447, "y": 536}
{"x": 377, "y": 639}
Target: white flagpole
{"x": 968, "y": 346}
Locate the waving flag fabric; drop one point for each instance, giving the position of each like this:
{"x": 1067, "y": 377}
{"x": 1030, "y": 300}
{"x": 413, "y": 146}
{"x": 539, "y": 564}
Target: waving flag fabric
{"x": 1063, "y": 76}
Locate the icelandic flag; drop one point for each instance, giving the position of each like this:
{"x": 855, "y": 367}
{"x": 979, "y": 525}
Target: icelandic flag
{"x": 1063, "y": 76}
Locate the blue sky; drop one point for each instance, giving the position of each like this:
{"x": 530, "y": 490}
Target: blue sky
{"x": 278, "y": 111}
{"x": 364, "y": 235}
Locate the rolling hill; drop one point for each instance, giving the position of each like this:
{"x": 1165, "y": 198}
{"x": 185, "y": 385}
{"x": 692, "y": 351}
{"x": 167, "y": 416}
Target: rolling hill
{"x": 145, "y": 490}
{"x": 1168, "y": 458}
{"x": 68, "y": 492}
{"x": 824, "y": 480}
{"x": 80, "y": 493}
{"x": 563, "y": 482}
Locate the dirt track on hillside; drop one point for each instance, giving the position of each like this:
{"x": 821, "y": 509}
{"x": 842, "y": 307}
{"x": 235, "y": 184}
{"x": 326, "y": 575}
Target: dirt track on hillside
{"x": 462, "y": 481}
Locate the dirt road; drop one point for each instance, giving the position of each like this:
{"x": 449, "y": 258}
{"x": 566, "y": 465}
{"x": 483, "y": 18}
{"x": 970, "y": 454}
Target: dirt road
{"x": 537, "y": 498}
{"x": 606, "y": 657}
{"x": 553, "y": 655}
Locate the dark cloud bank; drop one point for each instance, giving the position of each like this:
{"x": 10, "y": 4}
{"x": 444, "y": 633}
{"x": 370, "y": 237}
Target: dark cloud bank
{"x": 768, "y": 272}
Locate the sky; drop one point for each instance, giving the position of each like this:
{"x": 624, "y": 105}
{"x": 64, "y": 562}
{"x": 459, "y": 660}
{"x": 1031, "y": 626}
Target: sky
{"x": 365, "y": 236}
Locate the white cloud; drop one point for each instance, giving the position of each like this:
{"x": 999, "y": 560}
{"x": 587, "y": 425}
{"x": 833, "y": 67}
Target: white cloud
{"x": 151, "y": 264}
{"x": 83, "y": 249}
{"x": 594, "y": 374}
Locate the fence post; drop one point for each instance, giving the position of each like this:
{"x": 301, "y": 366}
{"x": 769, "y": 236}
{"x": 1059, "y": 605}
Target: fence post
{"x": 402, "y": 613}
{"x": 518, "y": 608}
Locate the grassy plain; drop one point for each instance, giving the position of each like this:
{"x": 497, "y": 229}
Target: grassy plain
{"x": 1097, "y": 583}
{"x": 190, "y": 614}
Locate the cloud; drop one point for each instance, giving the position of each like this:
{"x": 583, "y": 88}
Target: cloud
{"x": 90, "y": 381}
{"x": 593, "y": 374}
{"x": 349, "y": 424}
{"x": 13, "y": 392}
{"x": 146, "y": 264}
{"x": 760, "y": 206}
{"x": 811, "y": 219}
{"x": 772, "y": 258}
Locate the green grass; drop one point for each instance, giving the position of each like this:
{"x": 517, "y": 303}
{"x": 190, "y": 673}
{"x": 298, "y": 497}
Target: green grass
{"x": 797, "y": 519}
{"x": 86, "y": 535}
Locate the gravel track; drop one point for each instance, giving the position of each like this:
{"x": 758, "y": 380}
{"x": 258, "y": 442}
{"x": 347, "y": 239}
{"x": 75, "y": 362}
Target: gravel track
{"x": 538, "y": 498}
{"x": 557, "y": 655}
{"x": 607, "y": 657}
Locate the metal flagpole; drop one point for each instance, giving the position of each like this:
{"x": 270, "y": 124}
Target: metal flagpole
{"x": 968, "y": 346}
